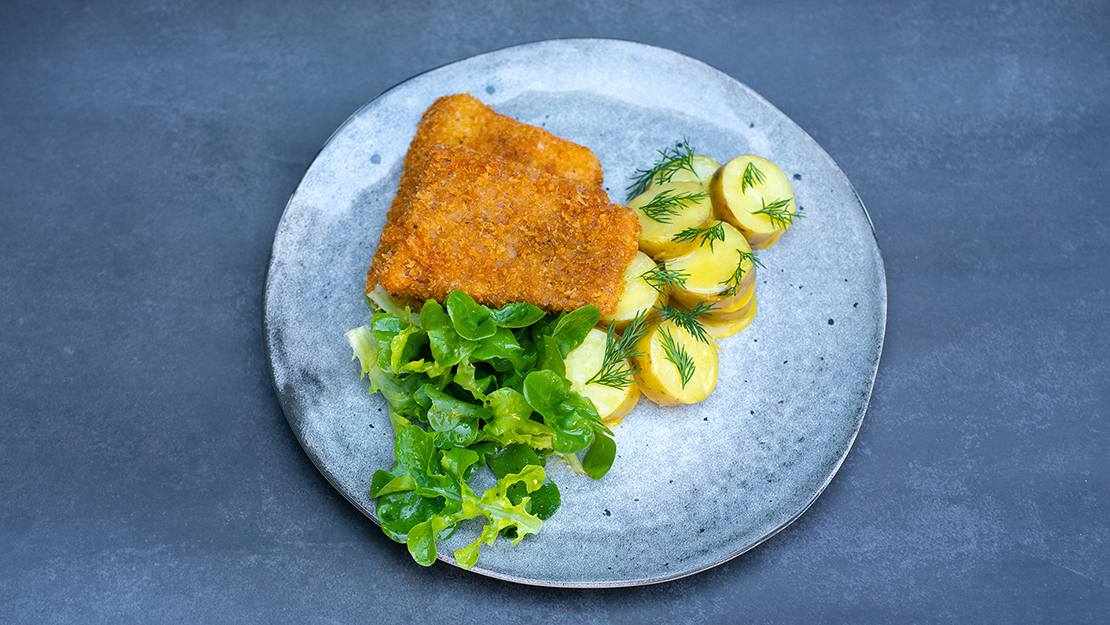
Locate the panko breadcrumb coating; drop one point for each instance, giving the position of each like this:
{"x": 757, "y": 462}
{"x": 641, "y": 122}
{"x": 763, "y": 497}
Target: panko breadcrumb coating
{"x": 461, "y": 120}
{"x": 503, "y": 232}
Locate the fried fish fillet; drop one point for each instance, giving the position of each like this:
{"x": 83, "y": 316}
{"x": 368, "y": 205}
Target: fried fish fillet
{"x": 503, "y": 232}
{"x": 460, "y": 120}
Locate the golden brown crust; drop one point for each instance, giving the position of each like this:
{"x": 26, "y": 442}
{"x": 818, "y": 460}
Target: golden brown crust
{"x": 503, "y": 232}
{"x": 461, "y": 120}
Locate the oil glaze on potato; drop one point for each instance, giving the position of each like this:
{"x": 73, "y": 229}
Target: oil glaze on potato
{"x": 710, "y": 266}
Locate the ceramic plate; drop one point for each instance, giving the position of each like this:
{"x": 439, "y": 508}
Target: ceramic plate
{"x": 691, "y": 486}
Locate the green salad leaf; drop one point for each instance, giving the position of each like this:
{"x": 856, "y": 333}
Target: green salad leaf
{"x": 520, "y": 315}
{"x": 471, "y": 388}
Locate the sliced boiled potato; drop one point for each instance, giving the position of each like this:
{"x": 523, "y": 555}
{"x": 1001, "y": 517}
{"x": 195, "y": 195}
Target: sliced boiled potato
{"x": 725, "y": 324}
{"x": 701, "y": 171}
{"x": 737, "y": 308}
{"x": 751, "y": 193}
{"x": 638, "y": 297}
{"x": 665, "y": 210}
{"x": 729, "y": 320}
{"x": 660, "y": 378}
{"x": 711, "y": 269}
{"x": 583, "y": 363}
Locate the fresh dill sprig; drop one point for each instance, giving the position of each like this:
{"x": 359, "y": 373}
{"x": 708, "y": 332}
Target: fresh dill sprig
{"x": 663, "y": 279}
{"x": 666, "y": 205}
{"x": 678, "y": 356}
{"x": 779, "y": 212}
{"x": 614, "y": 372}
{"x": 688, "y": 320}
{"x": 712, "y": 233}
{"x": 670, "y": 162}
{"x": 733, "y": 282}
{"x": 751, "y": 177}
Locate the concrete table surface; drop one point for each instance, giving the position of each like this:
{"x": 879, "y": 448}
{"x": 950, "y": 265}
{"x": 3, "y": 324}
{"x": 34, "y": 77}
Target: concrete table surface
{"x": 147, "y": 473}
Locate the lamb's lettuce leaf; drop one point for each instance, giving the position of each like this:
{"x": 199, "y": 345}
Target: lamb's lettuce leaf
{"x": 469, "y": 387}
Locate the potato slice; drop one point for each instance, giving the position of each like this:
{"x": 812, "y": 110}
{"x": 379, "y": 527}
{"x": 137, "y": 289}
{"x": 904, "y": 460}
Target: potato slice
{"x": 638, "y": 297}
{"x": 583, "y": 363}
{"x": 702, "y": 172}
{"x": 751, "y": 193}
{"x": 660, "y": 378}
{"x": 737, "y": 308}
{"x": 711, "y": 268}
{"x": 720, "y": 325}
{"x": 667, "y": 209}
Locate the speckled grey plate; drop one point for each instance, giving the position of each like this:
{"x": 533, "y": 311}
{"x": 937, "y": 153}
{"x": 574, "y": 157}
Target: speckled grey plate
{"x": 691, "y": 486}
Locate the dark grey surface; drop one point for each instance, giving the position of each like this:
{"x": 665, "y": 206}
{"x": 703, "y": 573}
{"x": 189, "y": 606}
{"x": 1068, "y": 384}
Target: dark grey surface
{"x": 146, "y": 153}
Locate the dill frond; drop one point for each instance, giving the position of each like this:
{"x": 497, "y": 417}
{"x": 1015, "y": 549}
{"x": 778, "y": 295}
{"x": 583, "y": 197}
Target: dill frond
{"x": 689, "y": 320}
{"x": 678, "y": 356}
{"x": 670, "y": 162}
{"x": 751, "y": 177}
{"x": 614, "y": 372}
{"x": 779, "y": 212}
{"x": 712, "y": 233}
{"x": 663, "y": 279}
{"x": 733, "y": 282}
{"x": 667, "y": 204}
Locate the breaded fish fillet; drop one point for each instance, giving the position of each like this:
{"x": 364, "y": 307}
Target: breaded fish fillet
{"x": 503, "y": 232}
{"x": 461, "y": 120}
